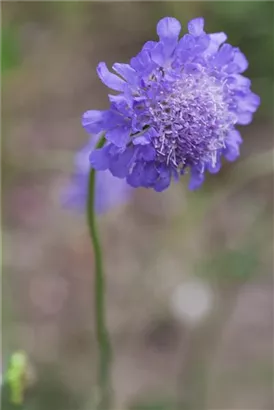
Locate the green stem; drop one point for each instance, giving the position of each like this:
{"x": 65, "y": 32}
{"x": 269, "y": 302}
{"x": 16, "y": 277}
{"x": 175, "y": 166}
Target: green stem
{"x": 104, "y": 356}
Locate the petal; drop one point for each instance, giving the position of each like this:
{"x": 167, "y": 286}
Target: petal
{"x": 142, "y": 63}
{"x": 232, "y": 148}
{"x": 147, "y": 153}
{"x": 94, "y": 121}
{"x": 127, "y": 72}
{"x": 196, "y": 179}
{"x": 158, "y": 54}
{"x": 224, "y": 55}
{"x": 135, "y": 178}
{"x": 196, "y": 26}
{"x": 244, "y": 118}
{"x": 149, "y": 45}
{"x": 249, "y": 103}
{"x": 109, "y": 79}
{"x": 168, "y": 28}
{"x": 151, "y": 174}
{"x": 240, "y": 60}
{"x": 163, "y": 181}
{"x": 216, "y": 39}
{"x": 109, "y": 191}
{"x": 141, "y": 140}
{"x": 240, "y": 81}
{"x": 120, "y": 164}
{"x": 119, "y": 135}
{"x": 214, "y": 168}
{"x": 99, "y": 158}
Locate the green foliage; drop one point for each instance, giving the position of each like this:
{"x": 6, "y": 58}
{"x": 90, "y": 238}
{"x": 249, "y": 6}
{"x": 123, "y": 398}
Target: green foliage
{"x": 232, "y": 265}
{"x": 9, "y": 49}
{"x": 156, "y": 404}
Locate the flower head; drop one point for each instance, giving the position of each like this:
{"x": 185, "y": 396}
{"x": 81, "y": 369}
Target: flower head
{"x": 177, "y": 106}
{"x": 109, "y": 191}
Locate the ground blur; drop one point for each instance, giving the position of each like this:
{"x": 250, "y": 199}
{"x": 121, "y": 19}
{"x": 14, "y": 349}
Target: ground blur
{"x": 189, "y": 275}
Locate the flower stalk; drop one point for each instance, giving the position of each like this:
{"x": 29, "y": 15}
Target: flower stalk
{"x": 104, "y": 347}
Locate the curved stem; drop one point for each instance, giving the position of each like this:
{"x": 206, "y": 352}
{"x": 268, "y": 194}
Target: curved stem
{"x": 104, "y": 356}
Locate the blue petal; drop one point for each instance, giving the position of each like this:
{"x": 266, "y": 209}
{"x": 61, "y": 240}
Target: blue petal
{"x": 99, "y": 159}
{"x": 216, "y": 39}
{"x": 109, "y": 79}
{"x": 147, "y": 153}
{"x": 240, "y": 60}
{"x": 142, "y": 63}
{"x": 249, "y": 103}
{"x": 127, "y": 72}
{"x": 196, "y": 179}
{"x": 149, "y": 45}
{"x": 135, "y": 178}
{"x": 141, "y": 140}
{"x": 244, "y": 118}
{"x": 224, "y": 55}
{"x": 196, "y": 26}
{"x": 168, "y": 28}
{"x": 120, "y": 164}
{"x": 233, "y": 142}
{"x": 94, "y": 121}
{"x": 151, "y": 174}
{"x": 214, "y": 168}
{"x": 241, "y": 81}
{"x": 119, "y": 135}
{"x": 163, "y": 181}
{"x": 158, "y": 54}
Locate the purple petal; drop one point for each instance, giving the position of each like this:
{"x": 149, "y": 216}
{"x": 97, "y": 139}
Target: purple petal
{"x": 196, "y": 179}
{"x": 142, "y": 63}
{"x": 119, "y": 136}
{"x": 149, "y": 45}
{"x": 163, "y": 181}
{"x": 94, "y": 121}
{"x": 109, "y": 79}
{"x": 99, "y": 159}
{"x": 244, "y": 118}
{"x": 249, "y": 103}
{"x": 158, "y": 54}
{"x": 168, "y": 29}
{"x": 127, "y": 72}
{"x": 135, "y": 178}
{"x": 233, "y": 142}
{"x": 214, "y": 168}
{"x": 216, "y": 39}
{"x": 224, "y": 55}
{"x": 120, "y": 164}
{"x": 151, "y": 174}
{"x": 240, "y": 60}
{"x": 196, "y": 26}
{"x": 147, "y": 153}
{"x": 141, "y": 140}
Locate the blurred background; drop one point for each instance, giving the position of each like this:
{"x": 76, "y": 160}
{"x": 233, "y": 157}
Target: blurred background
{"x": 189, "y": 275}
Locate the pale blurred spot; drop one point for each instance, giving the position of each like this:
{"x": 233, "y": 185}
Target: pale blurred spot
{"x": 192, "y": 301}
{"x": 48, "y": 293}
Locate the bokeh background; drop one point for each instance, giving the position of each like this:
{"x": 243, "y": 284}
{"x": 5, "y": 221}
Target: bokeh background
{"x": 189, "y": 275}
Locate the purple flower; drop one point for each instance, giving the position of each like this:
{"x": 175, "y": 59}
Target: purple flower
{"x": 109, "y": 191}
{"x": 178, "y": 103}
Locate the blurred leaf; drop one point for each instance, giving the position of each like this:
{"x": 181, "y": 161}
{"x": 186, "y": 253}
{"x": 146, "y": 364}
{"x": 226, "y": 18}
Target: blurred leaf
{"x": 153, "y": 405}
{"x": 9, "y": 48}
{"x": 238, "y": 11}
{"x": 238, "y": 264}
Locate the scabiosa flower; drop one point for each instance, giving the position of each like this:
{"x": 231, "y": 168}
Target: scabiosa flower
{"x": 176, "y": 110}
{"x": 109, "y": 191}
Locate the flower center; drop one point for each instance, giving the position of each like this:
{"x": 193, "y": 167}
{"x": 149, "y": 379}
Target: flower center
{"x": 191, "y": 119}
